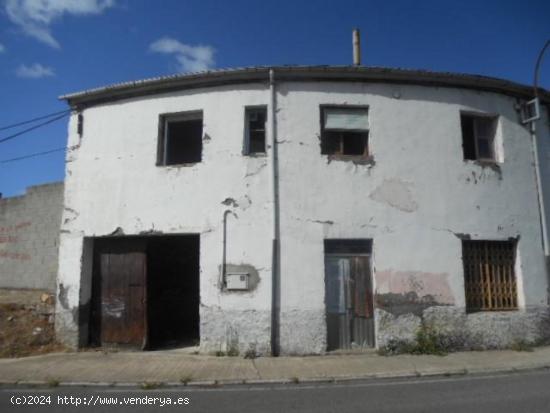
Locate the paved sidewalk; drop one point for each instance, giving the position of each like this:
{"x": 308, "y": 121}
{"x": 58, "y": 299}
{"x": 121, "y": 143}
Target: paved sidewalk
{"x": 174, "y": 367}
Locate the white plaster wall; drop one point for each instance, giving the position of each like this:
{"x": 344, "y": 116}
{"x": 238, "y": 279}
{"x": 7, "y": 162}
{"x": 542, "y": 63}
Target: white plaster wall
{"x": 412, "y": 202}
{"x": 543, "y": 139}
{"x": 112, "y": 182}
{"x": 415, "y": 199}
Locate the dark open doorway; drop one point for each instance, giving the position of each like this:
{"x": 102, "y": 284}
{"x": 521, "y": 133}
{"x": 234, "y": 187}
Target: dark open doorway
{"x": 173, "y": 291}
{"x": 145, "y": 292}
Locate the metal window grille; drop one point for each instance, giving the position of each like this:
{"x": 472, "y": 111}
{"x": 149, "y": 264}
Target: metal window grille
{"x": 489, "y": 276}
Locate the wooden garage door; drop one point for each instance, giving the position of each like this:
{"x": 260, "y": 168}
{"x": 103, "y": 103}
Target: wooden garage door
{"x": 123, "y": 296}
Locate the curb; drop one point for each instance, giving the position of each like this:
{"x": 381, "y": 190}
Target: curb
{"x": 211, "y": 384}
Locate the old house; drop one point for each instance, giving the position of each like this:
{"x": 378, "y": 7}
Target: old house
{"x": 296, "y": 210}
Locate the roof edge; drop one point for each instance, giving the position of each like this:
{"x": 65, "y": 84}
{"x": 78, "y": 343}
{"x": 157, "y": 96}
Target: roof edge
{"x": 220, "y": 77}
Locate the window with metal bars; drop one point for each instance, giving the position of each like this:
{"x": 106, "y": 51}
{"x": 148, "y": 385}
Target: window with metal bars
{"x": 489, "y": 275}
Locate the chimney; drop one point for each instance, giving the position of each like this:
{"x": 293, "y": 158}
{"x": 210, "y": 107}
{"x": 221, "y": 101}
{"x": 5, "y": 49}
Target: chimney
{"x": 356, "y": 48}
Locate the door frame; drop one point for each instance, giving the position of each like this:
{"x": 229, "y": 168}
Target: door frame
{"x": 343, "y": 254}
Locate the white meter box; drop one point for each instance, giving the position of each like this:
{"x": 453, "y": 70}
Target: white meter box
{"x": 237, "y": 280}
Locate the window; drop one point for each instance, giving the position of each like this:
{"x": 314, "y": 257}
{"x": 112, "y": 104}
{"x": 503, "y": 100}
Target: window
{"x": 344, "y": 131}
{"x": 478, "y": 137}
{"x": 255, "y": 121}
{"x": 489, "y": 275}
{"x": 180, "y": 138}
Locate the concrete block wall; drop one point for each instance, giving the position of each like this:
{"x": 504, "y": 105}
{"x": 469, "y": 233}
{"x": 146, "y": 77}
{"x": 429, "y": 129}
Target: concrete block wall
{"x": 29, "y": 237}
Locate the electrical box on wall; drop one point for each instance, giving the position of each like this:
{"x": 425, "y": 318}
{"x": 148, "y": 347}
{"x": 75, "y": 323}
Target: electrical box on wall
{"x": 237, "y": 280}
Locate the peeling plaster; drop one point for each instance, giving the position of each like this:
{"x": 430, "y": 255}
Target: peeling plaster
{"x": 316, "y": 221}
{"x": 256, "y": 171}
{"x": 70, "y": 215}
{"x": 117, "y": 232}
{"x": 395, "y": 193}
{"x": 230, "y": 202}
{"x": 63, "y": 296}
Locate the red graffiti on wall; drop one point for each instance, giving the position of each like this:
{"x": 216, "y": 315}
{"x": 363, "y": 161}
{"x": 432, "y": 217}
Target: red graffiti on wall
{"x": 16, "y": 227}
{"x": 7, "y": 236}
{"x": 21, "y": 256}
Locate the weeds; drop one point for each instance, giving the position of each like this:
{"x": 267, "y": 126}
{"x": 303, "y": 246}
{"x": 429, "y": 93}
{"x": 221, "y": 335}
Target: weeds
{"x": 52, "y": 383}
{"x": 233, "y": 352}
{"x": 150, "y": 385}
{"x": 186, "y": 379}
{"x": 522, "y": 345}
{"x": 427, "y": 341}
{"x": 250, "y": 354}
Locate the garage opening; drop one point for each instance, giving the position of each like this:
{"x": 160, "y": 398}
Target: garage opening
{"x": 173, "y": 291}
{"x": 145, "y": 292}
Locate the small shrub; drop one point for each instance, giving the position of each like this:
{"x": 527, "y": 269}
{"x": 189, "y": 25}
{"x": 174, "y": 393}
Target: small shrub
{"x": 220, "y": 353}
{"x": 251, "y": 353}
{"x": 186, "y": 379}
{"x": 233, "y": 352}
{"x": 427, "y": 341}
{"x": 52, "y": 383}
{"x": 150, "y": 385}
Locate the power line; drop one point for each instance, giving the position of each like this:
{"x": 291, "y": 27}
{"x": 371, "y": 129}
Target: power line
{"x": 14, "y": 125}
{"x": 32, "y": 155}
{"x": 7, "y": 138}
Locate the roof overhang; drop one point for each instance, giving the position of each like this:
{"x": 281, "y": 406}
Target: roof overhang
{"x": 222, "y": 77}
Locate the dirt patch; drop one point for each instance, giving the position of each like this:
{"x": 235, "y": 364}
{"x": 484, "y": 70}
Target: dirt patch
{"x": 26, "y": 330}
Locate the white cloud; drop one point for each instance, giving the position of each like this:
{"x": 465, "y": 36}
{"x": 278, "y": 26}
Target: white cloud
{"x": 2, "y": 48}
{"x": 35, "y": 16}
{"x": 190, "y": 58}
{"x": 34, "y": 71}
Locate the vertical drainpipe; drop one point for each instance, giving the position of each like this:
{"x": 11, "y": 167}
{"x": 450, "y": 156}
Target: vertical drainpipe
{"x": 276, "y": 244}
{"x": 540, "y": 195}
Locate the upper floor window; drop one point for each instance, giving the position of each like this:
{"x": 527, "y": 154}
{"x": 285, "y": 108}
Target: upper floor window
{"x": 478, "y": 137}
{"x": 255, "y": 130}
{"x": 180, "y": 138}
{"x": 344, "y": 130}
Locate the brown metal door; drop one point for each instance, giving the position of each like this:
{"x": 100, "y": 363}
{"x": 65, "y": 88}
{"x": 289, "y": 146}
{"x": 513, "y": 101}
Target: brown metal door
{"x": 349, "y": 312}
{"x": 123, "y": 296}
{"x": 362, "y": 327}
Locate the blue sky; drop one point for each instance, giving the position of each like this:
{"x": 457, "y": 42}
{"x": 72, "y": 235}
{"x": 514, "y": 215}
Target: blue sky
{"x": 52, "y": 47}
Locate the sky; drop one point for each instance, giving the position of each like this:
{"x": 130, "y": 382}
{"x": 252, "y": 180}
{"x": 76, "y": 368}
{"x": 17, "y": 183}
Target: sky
{"x": 52, "y": 47}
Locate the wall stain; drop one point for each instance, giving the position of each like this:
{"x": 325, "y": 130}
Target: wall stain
{"x": 63, "y": 296}
{"x": 405, "y": 303}
{"x": 395, "y": 193}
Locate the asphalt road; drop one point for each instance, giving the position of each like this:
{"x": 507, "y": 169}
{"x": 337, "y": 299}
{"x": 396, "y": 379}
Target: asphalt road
{"x": 519, "y": 392}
